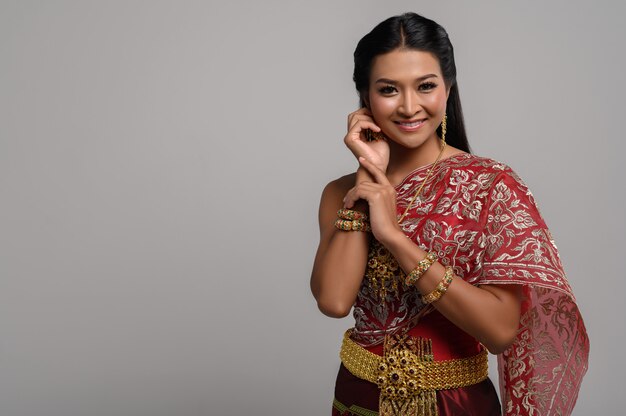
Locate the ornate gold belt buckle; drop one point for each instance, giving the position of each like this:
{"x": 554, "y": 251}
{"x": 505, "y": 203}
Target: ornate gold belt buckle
{"x": 401, "y": 372}
{"x": 403, "y": 377}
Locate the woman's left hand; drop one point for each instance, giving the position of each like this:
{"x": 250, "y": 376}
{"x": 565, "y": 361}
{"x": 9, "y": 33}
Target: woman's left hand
{"x": 381, "y": 198}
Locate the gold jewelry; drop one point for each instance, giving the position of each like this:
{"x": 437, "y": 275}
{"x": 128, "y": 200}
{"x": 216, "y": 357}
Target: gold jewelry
{"x": 381, "y": 270}
{"x": 405, "y": 351}
{"x": 373, "y": 136}
{"x": 407, "y": 374}
{"x": 360, "y": 225}
{"x": 441, "y": 288}
{"x": 443, "y": 127}
{"x": 352, "y": 225}
{"x": 420, "y": 269}
{"x": 350, "y": 214}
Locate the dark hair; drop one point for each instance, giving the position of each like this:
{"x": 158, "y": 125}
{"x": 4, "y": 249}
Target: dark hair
{"x": 412, "y": 31}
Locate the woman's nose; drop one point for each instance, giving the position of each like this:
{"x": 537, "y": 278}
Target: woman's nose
{"x": 409, "y": 104}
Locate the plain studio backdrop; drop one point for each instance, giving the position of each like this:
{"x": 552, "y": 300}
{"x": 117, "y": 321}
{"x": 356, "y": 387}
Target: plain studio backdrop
{"x": 161, "y": 164}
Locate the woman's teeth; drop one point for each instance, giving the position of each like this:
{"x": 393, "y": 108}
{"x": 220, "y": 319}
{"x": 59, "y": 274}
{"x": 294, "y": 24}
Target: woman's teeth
{"x": 411, "y": 124}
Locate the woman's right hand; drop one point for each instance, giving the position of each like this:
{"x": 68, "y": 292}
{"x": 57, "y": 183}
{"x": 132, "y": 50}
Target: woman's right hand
{"x": 376, "y": 151}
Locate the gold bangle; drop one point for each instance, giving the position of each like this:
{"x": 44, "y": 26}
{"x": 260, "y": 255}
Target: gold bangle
{"x": 360, "y": 225}
{"x": 441, "y": 288}
{"x": 350, "y": 214}
{"x": 421, "y": 268}
{"x": 344, "y": 225}
{"x": 352, "y": 225}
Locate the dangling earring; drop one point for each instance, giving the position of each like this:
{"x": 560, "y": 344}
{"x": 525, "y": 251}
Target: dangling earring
{"x": 443, "y": 128}
{"x": 371, "y": 135}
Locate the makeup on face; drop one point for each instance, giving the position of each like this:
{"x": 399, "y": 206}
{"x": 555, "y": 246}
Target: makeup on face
{"x": 407, "y": 96}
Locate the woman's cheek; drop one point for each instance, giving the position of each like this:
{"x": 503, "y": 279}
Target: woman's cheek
{"x": 382, "y": 107}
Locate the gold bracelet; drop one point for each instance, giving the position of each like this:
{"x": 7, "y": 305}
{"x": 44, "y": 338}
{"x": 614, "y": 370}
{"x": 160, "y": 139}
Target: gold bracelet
{"x": 441, "y": 288}
{"x": 420, "y": 269}
{"x": 350, "y": 214}
{"x": 360, "y": 225}
{"x": 352, "y": 225}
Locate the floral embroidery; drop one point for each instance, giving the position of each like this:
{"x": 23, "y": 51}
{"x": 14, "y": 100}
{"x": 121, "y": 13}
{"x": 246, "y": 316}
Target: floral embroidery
{"x": 481, "y": 219}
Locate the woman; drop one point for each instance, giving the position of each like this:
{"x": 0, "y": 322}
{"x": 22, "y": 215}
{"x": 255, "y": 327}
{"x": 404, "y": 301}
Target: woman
{"x": 442, "y": 254}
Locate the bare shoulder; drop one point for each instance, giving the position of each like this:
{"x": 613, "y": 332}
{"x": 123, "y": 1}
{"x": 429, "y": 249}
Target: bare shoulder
{"x": 332, "y": 199}
{"x": 332, "y": 196}
{"x": 337, "y": 188}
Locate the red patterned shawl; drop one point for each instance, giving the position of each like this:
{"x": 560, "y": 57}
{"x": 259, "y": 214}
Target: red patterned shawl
{"x": 480, "y": 218}
{"x": 540, "y": 374}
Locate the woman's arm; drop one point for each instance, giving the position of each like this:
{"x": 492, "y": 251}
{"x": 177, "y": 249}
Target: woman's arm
{"x": 341, "y": 256}
{"x": 489, "y": 313}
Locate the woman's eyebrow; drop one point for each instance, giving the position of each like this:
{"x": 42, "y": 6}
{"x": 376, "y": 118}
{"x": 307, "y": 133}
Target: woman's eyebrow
{"x": 390, "y": 81}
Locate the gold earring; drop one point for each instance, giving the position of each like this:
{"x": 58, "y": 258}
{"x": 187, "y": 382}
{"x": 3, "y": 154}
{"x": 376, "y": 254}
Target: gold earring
{"x": 443, "y": 128}
{"x": 371, "y": 135}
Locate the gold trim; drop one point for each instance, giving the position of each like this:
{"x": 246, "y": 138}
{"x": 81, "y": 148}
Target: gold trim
{"x": 354, "y": 409}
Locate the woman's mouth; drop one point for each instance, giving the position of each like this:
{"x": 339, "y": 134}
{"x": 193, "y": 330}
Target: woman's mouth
{"x": 410, "y": 125}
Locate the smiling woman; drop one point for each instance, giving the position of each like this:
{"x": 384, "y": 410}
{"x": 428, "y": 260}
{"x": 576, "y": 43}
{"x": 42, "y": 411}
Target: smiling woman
{"x": 441, "y": 254}
{"x": 407, "y": 98}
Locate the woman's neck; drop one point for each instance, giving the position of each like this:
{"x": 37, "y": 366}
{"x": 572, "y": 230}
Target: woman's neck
{"x": 403, "y": 161}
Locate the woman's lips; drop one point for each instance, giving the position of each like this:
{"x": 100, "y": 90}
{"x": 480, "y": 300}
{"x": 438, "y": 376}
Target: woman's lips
{"x": 410, "y": 125}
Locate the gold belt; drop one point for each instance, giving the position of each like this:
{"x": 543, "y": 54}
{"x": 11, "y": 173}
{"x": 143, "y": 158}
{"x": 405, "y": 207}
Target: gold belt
{"x": 407, "y": 375}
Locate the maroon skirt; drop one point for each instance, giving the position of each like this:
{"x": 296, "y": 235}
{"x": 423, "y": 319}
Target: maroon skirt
{"x": 358, "y": 397}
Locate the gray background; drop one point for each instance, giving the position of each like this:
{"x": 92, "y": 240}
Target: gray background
{"x": 160, "y": 171}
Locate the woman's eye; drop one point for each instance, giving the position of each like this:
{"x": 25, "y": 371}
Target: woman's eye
{"x": 388, "y": 89}
{"x": 426, "y": 86}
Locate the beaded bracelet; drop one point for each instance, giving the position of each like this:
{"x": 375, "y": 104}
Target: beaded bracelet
{"x": 350, "y": 214}
{"x": 441, "y": 288}
{"x": 352, "y": 225}
{"x": 420, "y": 269}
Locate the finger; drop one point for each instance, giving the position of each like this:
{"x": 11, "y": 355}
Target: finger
{"x": 362, "y": 119}
{"x": 355, "y": 138}
{"x": 360, "y": 191}
{"x": 348, "y": 200}
{"x": 368, "y": 191}
{"x": 358, "y": 130}
{"x": 379, "y": 175}
{"x": 361, "y": 111}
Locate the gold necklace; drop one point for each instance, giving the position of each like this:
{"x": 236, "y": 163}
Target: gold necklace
{"x": 419, "y": 190}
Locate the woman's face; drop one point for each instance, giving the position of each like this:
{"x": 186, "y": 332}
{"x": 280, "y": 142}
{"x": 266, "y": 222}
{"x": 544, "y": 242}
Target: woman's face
{"x": 407, "y": 96}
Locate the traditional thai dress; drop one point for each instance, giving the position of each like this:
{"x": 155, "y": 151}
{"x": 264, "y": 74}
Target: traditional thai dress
{"x": 479, "y": 218}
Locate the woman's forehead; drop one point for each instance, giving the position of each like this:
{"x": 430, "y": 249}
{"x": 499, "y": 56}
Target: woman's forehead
{"x": 404, "y": 64}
